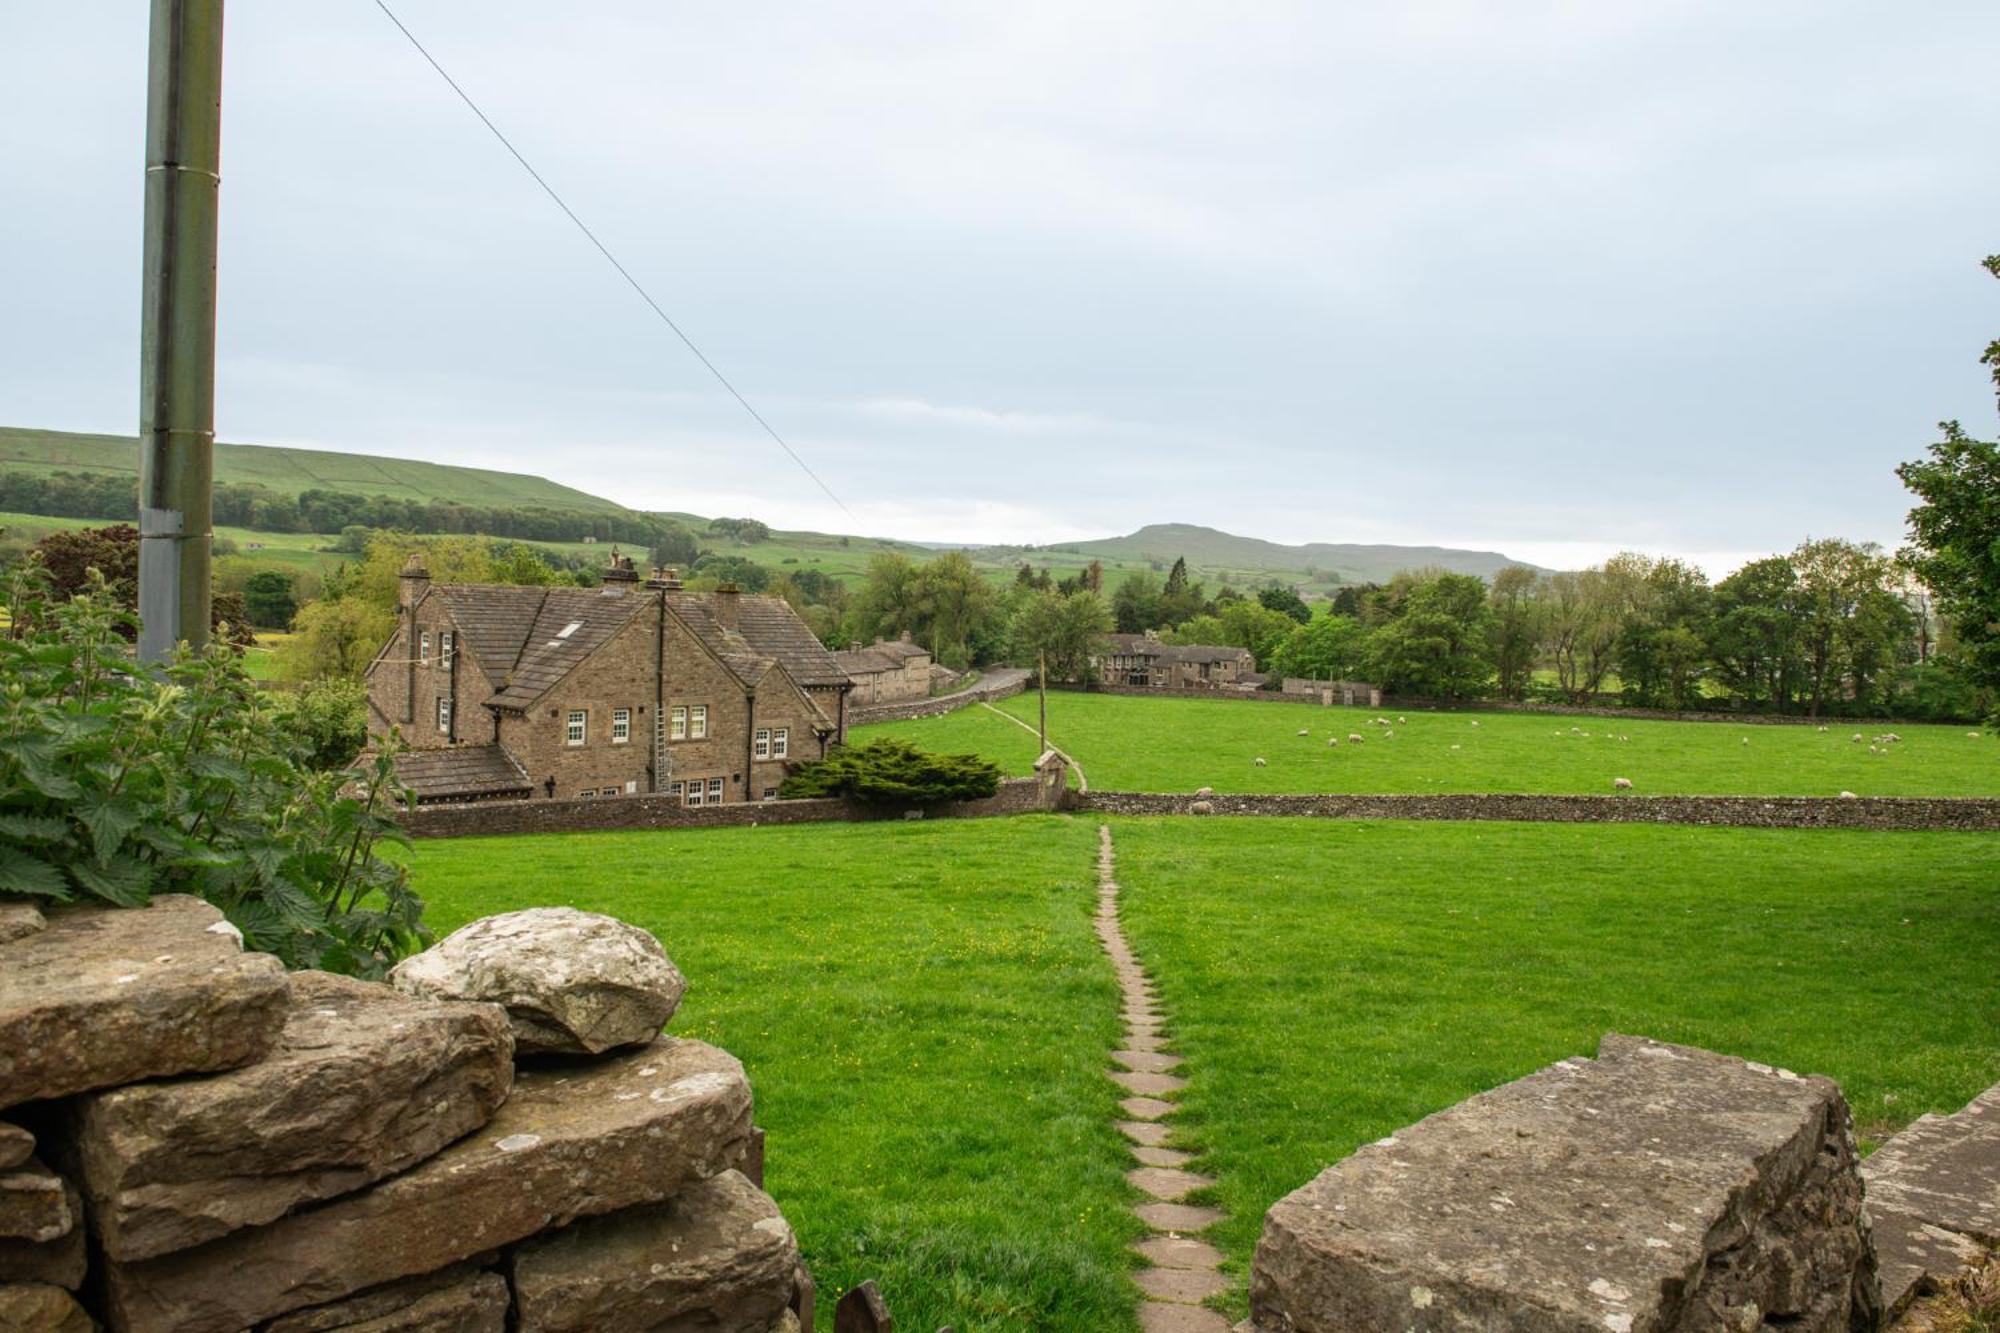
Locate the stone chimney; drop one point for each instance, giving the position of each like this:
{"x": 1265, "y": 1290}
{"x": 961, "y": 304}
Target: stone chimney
{"x": 667, "y": 580}
{"x": 727, "y": 598}
{"x": 621, "y": 570}
{"x": 414, "y": 581}
{"x": 905, "y": 637}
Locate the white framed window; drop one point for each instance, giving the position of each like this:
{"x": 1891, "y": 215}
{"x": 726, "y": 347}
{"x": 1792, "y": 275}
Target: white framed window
{"x": 578, "y": 728}
{"x": 770, "y": 793}
{"x": 621, "y": 725}
{"x": 587, "y": 794}
{"x": 762, "y": 746}
{"x": 631, "y": 786}
{"x": 673, "y": 789}
{"x": 715, "y": 791}
{"x": 781, "y": 742}
{"x": 680, "y": 724}
{"x": 698, "y": 722}
{"x": 695, "y": 793}
{"x": 445, "y": 644}
{"x": 444, "y": 713}
{"x": 424, "y": 649}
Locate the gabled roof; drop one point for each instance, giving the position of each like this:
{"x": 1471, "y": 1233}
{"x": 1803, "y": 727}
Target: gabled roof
{"x": 765, "y": 631}
{"x": 1202, "y": 652}
{"x": 494, "y": 621}
{"x": 899, "y": 650}
{"x": 1139, "y": 645}
{"x": 568, "y": 626}
{"x": 866, "y": 662}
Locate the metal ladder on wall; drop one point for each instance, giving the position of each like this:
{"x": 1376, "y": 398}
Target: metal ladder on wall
{"x": 663, "y": 764}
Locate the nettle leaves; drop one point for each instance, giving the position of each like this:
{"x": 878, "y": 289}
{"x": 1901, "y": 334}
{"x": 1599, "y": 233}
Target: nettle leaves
{"x": 119, "y": 782}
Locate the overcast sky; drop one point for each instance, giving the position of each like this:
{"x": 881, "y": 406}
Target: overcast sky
{"x": 1549, "y": 278}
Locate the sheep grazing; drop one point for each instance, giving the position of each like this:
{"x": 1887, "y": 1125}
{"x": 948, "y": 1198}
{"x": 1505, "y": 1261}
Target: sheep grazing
{"x": 1387, "y": 734}
{"x": 1202, "y": 808}
{"x": 1258, "y": 762}
{"x": 1475, "y": 721}
{"x": 1305, "y": 731}
{"x": 1822, "y": 728}
{"x": 1333, "y": 740}
{"x": 1746, "y": 740}
{"x": 1857, "y": 738}
{"x": 1972, "y": 735}
{"x": 1401, "y": 720}
{"x": 1454, "y": 747}
{"x": 1622, "y": 784}
{"x": 1204, "y": 791}
{"x": 1354, "y": 738}
{"x": 1849, "y": 796}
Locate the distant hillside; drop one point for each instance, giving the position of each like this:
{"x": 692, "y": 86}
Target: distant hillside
{"x": 1248, "y": 560}
{"x": 290, "y": 471}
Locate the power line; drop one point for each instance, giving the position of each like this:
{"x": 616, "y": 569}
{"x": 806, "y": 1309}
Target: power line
{"x": 612, "y": 259}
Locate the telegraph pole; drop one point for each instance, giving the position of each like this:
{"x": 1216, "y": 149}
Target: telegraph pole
{"x": 177, "y": 334}
{"x": 1043, "y": 664}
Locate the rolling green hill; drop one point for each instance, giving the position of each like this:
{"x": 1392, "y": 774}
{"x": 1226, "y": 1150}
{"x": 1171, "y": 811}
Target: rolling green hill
{"x": 290, "y": 471}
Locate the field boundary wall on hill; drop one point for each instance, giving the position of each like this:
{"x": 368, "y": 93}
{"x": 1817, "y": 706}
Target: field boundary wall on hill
{"x": 1969, "y": 814}
{"x": 988, "y": 690}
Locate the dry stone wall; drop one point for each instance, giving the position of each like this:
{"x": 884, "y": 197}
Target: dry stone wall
{"x": 998, "y": 685}
{"x": 196, "y": 1142}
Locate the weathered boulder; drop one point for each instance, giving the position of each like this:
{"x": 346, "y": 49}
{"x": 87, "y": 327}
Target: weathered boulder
{"x": 573, "y": 982}
{"x": 461, "y": 1299}
{"x": 31, "y": 1307}
{"x": 19, "y": 920}
{"x": 59, "y": 1262}
{"x": 16, "y": 1145}
{"x": 34, "y": 1205}
{"x": 717, "y": 1256}
{"x": 1934, "y": 1196}
{"x": 105, "y": 996}
{"x": 1656, "y": 1188}
{"x": 571, "y": 1141}
{"x": 364, "y": 1082}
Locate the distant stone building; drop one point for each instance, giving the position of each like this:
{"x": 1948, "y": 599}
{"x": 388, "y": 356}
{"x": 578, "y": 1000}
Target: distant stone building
{"x": 889, "y": 671}
{"x": 624, "y": 689}
{"x": 1346, "y": 693}
{"x": 1142, "y": 660}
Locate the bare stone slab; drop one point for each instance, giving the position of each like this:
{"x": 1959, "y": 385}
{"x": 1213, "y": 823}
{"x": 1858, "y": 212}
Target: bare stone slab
{"x": 1944, "y": 1170}
{"x": 1161, "y": 1156}
{"x": 1146, "y": 1062}
{"x": 1178, "y": 1252}
{"x": 1161, "y": 1317}
{"x": 19, "y": 920}
{"x": 1149, "y": 1132}
{"x": 1916, "y": 1258}
{"x": 717, "y": 1256}
{"x": 1189, "y": 1286}
{"x": 1146, "y": 1108}
{"x": 105, "y": 996}
{"x": 364, "y": 1082}
{"x": 572, "y": 1141}
{"x": 16, "y": 1145}
{"x": 34, "y": 1204}
{"x": 1653, "y": 1188}
{"x": 28, "y": 1307}
{"x": 1148, "y": 1085}
{"x": 58, "y": 1262}
{"x": 1166, "y": 1182}
{"x": 462, "y": 1299}
{"x": 573, "y": 982}
{"x": 1177, "y": 1216}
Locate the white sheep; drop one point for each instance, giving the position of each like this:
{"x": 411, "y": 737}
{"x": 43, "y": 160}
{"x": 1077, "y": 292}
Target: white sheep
{"x": 1849, "y": 796}
{"x": 1305, "y": 731}
{"x": 1401, "y": 720}
{"x": 1822, "y": 728}
{"x": 1454, "y": 747}
{"x": 1972, "y": 735}
{"x": 1204, "y": 791}
{"x": 1622, "y": 784}
{"x": 1746, "y": 740}
{"x": 1258, "y": 762}
{"x": 1354, "y": 738}
{"x": 1475, "y": 721}
{"x": 1857, "y": 738}
{"x": 1387, "y": 734}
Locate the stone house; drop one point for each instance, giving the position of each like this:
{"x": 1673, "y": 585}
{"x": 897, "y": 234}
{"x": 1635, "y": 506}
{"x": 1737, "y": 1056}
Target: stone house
{"x": 1346, "y": 693}
{"x": 890, "y": 671}
{"x": 1142, "y": 660}
{"x": 620, "y": 690}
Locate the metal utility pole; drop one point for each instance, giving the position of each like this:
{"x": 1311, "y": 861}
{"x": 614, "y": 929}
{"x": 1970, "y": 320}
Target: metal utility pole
{"x": 177, "y": 336}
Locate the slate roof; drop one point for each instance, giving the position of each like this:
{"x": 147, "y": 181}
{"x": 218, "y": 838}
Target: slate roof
{"x": 1138, "y": 645}
{"x": 866, "y": 662}
{"x": 767, "y": 631}
{"x": 463, "y": 772}
{"x": 568, "y": 626}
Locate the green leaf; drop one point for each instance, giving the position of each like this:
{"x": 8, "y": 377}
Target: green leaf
{"x": 30, "y": 875}
{"x": 109, "y": 821}
{"x": 126, "y": 883}
{"x": 34, "y": 828}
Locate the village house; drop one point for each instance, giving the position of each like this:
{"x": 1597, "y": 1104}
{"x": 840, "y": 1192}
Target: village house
{"x": 626, "y": 689}
{"x": 1142, "y": 660}
{"x": 890, "y": 671}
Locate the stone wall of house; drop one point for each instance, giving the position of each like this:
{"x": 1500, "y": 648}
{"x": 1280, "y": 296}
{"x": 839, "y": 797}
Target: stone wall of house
{"x": 1971, "y": 814}
{"x": 989, "y": 690}
{"x": 1654, "y": 1187}
{"x": 1016, "y": 796}
{"x": 194, "y": 1141}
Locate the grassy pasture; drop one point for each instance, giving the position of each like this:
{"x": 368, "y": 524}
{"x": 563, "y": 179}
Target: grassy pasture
{"x": 1330, "y": 983}
{"x": 924, "y": 1014}
{"x": 1129, "y": 743}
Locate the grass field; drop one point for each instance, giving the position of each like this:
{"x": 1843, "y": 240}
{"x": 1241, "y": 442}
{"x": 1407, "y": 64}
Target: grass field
{"x": 1331, "y": 982}
{"x": 923, "y": 1012}
{"x": 1128, "y": 743}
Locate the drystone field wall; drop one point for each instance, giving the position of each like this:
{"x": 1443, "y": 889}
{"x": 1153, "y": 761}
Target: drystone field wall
{"x": 997, "y": 685}
{"x": 1656, "y": 1187}
{"x": 1971, "y": 814}
{"x": 1017, "y": 796}
{"x": 194, "y": 1141}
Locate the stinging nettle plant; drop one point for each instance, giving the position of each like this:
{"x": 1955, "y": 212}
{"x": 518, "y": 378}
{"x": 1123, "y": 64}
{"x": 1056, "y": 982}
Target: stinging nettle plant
{"x": 118, "y": 782}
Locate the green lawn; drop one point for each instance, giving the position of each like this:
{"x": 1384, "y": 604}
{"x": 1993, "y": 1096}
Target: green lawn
{"x": 1331, "y": 982}
{"x": 1128, "y": 743}
{"x": 924, "y": 1014}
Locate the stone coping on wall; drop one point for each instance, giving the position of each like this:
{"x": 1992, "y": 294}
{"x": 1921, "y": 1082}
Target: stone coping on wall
{"x": 1017, "y": 796}
{"x": 1972, "y": 814}
{"x": 990, "y": 688}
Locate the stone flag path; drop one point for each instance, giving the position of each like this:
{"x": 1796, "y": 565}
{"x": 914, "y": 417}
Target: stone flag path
{"x": 1181, "y": 1270}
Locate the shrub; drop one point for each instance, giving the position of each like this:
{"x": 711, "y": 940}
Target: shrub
{"x": 893, "y": 772}
{"x": 118, "y": 782}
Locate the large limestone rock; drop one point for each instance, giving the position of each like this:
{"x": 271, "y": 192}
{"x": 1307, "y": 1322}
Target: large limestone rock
{"x": 717, "y": 1256}
{"x": 573, "y": 982}
{"x": 1934, "y": 1196}
{"x": 461, "y": 1299}
{"x": 364, "y": 1082}
{"x": 59, "y": 1262}
{"x": 34, "y": 1204}
{"x": 571, "y": 1141}
{"x": 105, "y": 996}
{"x": 1655, "y": 1189}
{"x": 40, "y": 1308}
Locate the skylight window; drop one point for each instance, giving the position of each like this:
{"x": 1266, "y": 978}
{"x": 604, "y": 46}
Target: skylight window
{"x": 569, "y": 629}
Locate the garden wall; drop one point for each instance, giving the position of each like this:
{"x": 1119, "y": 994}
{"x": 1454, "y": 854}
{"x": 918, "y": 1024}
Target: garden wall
{"x": 995, "y": 687}
{"x": 1874, "y": 812}
{"x": 1017, "y": 796}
